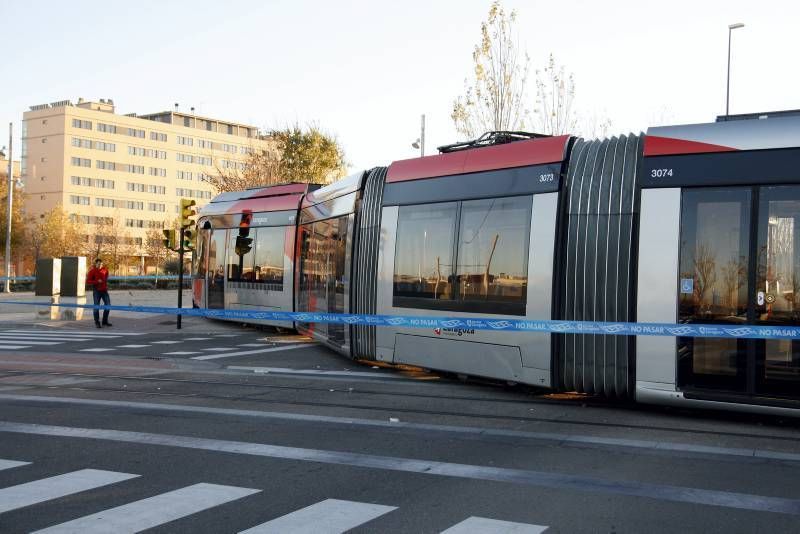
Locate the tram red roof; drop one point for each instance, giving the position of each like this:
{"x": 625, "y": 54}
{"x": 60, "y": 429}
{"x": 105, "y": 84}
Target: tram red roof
{"x": 726, "y": 136}
{"x": 516, "y": 154}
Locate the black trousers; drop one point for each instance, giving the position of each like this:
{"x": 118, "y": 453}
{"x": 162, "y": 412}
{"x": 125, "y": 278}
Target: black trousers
{"x": 98, "y": 296}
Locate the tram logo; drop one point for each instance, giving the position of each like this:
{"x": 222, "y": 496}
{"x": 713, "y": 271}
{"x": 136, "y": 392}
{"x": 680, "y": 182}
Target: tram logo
{"x": 499, "y": 325}
{"x": 613, "y": 328}
{"x": 454, "y": 331}
{"x": 452, "y": 324}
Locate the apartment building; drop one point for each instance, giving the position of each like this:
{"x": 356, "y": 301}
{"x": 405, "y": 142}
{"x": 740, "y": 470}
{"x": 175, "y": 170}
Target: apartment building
{"x": 100, "y": 166}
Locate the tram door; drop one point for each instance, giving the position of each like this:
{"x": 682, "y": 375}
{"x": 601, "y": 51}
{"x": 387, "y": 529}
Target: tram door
{"x": 322, "y": 273}
{"x": 215, "y": 276}
{"x": 740, "y": 265}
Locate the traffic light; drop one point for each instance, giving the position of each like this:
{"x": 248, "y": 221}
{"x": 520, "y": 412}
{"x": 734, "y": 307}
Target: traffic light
{"x": 189, "y": 238}
{"x": 243, "y": 245}
{"x": 244, "y": 223}
{"x": 169, "y": 239}
{"x": 187, "y": 212}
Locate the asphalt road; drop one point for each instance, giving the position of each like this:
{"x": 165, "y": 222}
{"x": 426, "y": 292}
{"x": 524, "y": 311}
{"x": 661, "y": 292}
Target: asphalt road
{"x": 219, "y": 428}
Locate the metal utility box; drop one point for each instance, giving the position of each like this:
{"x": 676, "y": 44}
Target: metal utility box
{"x": 73, "y": 276}
{"x": 48, "y": 277}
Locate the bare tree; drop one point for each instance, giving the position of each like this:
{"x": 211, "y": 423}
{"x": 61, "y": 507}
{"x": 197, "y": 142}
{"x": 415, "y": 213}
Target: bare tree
{"x": 494, "y": 99}
{"x": 705, "y": 269}
{"x": 555, "y": 94}
{"x": 734, "y": 275}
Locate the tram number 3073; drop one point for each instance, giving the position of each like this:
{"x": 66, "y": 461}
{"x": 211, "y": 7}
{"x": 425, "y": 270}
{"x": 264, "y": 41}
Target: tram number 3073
{"x": 549, "y": 177}
{"x": 660, "y": 173}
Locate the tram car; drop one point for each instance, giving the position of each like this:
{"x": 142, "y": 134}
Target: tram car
{"x": 683, "y": 224}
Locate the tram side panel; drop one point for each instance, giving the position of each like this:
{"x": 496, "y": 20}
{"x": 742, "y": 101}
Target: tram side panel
{"x": 471, "y": 245}
{"x": 724, "y": 201}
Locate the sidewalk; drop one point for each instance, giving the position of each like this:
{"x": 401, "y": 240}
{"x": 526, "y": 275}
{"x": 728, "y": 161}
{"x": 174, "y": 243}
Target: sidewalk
{"x": 14, "y": 314}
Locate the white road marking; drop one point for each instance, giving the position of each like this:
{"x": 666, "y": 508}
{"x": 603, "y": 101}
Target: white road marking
{"x": 74, "y": 332}
{"x": 288, "y": 371}
{"x": 58, "y": 486}
{"x": 196, "y": 338}
{"x": 153, "y": 511}
{"x": 131, "y": 346}
{"x": 97, "y": 349}
{"x": 45, "y": 338}
{"x": 28, "y": 341}
{"x": 13, "y": 347}
{"x": 250, "y": 345}
{"x": 8, "y": 464}
{"x": 482, "y": 525}
{"x": 180, "y": 353}
{"x": 330, "y": 516}
{"x": 227, "y": 335}
{"x": 246, "y": 352}
{"x": 542, "y": 479}
{"x": 220, "y": 348}
{"x": 168, "y": 342}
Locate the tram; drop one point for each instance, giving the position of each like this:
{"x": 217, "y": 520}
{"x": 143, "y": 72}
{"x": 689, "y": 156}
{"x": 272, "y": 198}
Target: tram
{"x": 683, "y": 224}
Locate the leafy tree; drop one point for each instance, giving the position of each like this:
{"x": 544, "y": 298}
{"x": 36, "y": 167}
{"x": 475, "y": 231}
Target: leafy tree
{"x": 309, "y": 156}
{"x": 494, "y": 99}
{"x": 54, "y": 235}
{"x": 295, "y": 155}
{"x": 17, "y": 217}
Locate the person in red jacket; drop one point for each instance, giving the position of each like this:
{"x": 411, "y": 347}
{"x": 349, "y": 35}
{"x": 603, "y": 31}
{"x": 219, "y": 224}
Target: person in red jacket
{"x": 98, "y": 279}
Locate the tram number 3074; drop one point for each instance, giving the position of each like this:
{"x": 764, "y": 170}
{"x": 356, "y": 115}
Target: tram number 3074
{"x": 660, "y": 173}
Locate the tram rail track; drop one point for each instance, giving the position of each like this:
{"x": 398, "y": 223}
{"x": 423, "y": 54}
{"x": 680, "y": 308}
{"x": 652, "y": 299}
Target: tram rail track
{"x": 392, "y": 409}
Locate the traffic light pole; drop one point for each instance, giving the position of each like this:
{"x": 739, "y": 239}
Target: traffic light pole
{"x": 180, "y": 277}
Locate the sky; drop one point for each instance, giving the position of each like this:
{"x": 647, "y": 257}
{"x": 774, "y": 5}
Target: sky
{"x": 364, "y": 71}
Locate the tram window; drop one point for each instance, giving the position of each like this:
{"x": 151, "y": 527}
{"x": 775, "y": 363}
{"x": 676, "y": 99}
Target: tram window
{"x": 423, "y": 264}
{"x": 240, "y": 267}
{"x": 492, "y": 267}
{"x": 268, "y": 260}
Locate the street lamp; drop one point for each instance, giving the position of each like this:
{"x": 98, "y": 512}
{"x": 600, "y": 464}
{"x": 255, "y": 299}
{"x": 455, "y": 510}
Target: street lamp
{"x": 728, "y": 92}
{"x": 420, "y": 142}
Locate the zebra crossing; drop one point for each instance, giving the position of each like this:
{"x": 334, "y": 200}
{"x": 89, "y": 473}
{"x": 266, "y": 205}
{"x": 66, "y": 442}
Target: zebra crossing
{"x": 330, "y": 516}
{"x": 31, "y": 338}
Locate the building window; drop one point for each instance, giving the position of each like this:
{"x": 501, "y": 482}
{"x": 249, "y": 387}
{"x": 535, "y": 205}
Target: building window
{"x": 104, "y": 202}
{"x": 44, "y": 140}
{"x": 80, "y": 162}
{"x": 187, "y": 121}
{"x": 106, "y": 165}
{"x": 184, "y": 175}
{"x": 135, "y": 169}
{"x": 134, "y": 205}
{"x": 77, "y": 199}
{"x": 157, "y": 171}
{"x": 77, "y": 123}
{"x": 156, "y": 136}
{"x": 137, "y": 188}
{"x": 107, "y": 128}
{"x": 155, "y": 206}
{"x": 188, "y": 141}
{"x": 135, "y": 132}
{"x": 203, "y": 160}
{"x": 230, "y": 129}
{"x": 108, "y": 147}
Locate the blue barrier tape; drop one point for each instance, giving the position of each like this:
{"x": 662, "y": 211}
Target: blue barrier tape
{"x": 462, "y": 323}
